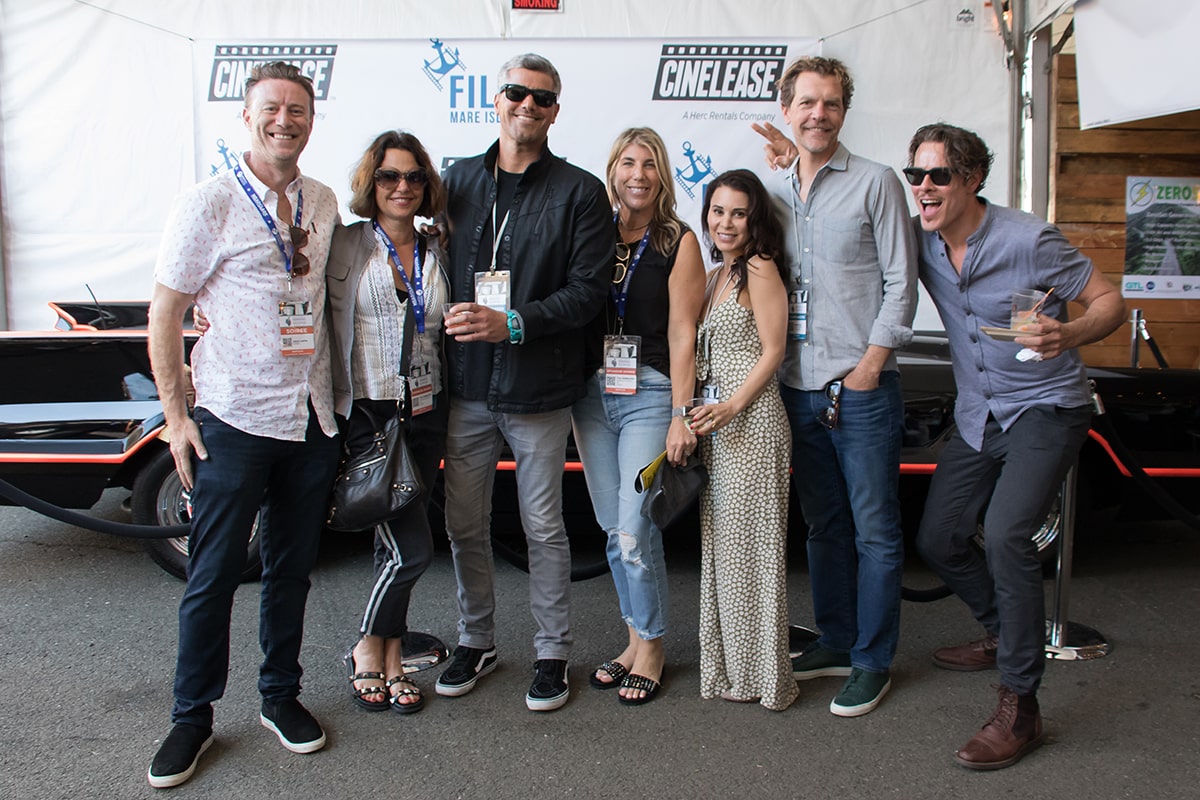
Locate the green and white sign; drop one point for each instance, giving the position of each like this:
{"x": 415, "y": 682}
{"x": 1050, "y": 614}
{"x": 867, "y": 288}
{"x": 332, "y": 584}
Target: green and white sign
{"x": 1162, "y": 237}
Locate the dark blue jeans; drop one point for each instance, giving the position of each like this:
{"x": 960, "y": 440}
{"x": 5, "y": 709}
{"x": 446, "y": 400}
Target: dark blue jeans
{"x": 847, "y": 480}
{"x": 290, "y": 481}
{"x": 1022, "y": 469}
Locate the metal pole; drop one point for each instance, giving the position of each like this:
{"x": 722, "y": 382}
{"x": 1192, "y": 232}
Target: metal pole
{"x": 1135, "y": 323}
{"x": 1066, "y": 551}
{"x": 1066, "y": 640}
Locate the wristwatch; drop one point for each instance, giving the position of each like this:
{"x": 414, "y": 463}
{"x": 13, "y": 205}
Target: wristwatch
{"x": 679, "y": 411}
{"x": 515, "y": 332}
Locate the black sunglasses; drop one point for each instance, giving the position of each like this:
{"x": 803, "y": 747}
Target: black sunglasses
{"x": 388, "y": 179}
{"x": 829, "y": 416}
{"x": 517, "y": 94}
{"x": 941, "y": 176}
{"x": 300, "y": 265}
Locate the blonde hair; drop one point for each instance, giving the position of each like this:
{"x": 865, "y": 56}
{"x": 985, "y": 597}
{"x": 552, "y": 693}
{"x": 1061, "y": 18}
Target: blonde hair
{"x": 666, "y": 227}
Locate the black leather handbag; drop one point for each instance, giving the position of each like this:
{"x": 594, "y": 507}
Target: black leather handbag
{"x": 374, "y": 485}
{"x": 669, "y": 490}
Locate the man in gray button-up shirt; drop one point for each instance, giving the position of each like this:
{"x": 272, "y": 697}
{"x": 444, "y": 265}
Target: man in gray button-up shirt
{"x": 1023, "y": 412}
{"x": 853, "y": 296}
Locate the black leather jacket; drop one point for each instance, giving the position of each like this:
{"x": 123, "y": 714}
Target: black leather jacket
{"x": 558, "y": 246}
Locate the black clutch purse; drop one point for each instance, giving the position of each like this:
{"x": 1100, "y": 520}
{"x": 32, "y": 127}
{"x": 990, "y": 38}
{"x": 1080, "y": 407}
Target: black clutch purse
{"x": 669, "y": 490}
{"x": 374, "y": 485}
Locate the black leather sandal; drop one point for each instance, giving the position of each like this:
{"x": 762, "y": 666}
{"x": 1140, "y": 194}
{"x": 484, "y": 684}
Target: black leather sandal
{"x": 615, "y": 669}
{"x": 407, "y": 689}
{"x": 359, "y": 695}
{"x": 642, "y": 683}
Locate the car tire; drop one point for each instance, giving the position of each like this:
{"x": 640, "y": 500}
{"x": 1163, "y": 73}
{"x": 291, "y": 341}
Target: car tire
{"x": 1046, "y": 538}
{"x": 588, "y": 556}
{"x": 158, "y": 500}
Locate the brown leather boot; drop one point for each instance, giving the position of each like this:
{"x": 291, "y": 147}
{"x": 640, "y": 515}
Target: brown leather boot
{"x": 969, "y": 657}
{"x": 1014, "y": 729}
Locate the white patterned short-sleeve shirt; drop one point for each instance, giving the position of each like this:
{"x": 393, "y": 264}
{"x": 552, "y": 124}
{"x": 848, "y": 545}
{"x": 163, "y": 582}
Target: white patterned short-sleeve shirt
{"x": 217, "y": 247}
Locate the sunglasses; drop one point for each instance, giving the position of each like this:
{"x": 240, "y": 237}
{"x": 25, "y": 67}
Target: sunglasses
{"x": 941, "y": 176}
{"x": 300, "y": 263}
{"x": 829, "y": 416}
{"x": 388, "y": 179}
{"x": 517, "y": 94}
{"x": 621, "y": 267}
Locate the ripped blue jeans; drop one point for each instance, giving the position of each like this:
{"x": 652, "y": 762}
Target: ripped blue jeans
{"x": 617, "y": 435}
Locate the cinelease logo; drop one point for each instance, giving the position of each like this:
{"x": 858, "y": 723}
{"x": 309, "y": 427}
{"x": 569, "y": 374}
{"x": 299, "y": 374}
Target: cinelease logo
{"x": 719, "y": 72}
{"x": 232, "y": 64}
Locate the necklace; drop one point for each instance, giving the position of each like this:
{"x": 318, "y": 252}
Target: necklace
{"x": 714, "y": 297}
{"x": 628, "y": 233}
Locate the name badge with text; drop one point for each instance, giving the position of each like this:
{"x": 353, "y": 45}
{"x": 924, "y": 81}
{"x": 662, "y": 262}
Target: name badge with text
{"x": 420, "y": 388}
{"x": 798, "y": 315}
{"x": 491, "y": 289}
{"x": 297, "y": 331}
{"x": 621, "y": 364}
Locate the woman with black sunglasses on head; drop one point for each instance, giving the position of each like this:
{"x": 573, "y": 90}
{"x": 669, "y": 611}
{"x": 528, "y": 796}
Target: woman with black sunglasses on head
{"x": 386, "y": 288}
{"x": 746, "y": 445}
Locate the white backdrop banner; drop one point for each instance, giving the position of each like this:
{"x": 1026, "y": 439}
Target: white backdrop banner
{"x": 700, "y": 95}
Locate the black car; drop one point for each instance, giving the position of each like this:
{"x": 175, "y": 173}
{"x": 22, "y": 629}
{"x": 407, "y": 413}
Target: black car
{"x": 79, "y": 414}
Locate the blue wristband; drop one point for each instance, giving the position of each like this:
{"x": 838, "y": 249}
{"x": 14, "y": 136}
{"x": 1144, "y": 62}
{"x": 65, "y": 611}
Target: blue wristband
{"x": 515, "y": 334}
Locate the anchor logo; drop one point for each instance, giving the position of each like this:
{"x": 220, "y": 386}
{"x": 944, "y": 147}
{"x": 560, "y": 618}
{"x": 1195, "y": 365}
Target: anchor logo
{"x": 226, "y": 154}
{"x": 698, "y": 168}
{"x": 447, "y": 61}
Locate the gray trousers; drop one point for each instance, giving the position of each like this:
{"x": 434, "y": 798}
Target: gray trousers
{"x": 539, "y": 445}
{"x": 1022, "y": 469}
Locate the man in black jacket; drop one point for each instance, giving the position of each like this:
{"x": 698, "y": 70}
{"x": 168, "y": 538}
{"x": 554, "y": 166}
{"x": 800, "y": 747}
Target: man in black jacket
{"x": 531, "y": 245}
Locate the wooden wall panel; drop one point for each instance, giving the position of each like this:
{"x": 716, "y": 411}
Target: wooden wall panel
{"x": 1087, "y": 201}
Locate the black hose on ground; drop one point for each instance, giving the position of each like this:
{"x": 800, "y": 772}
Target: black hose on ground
{"x": 23, "y": 498}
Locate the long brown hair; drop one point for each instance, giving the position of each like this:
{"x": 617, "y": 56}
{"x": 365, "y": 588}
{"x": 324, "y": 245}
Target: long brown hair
{"x": 762, "y": 225}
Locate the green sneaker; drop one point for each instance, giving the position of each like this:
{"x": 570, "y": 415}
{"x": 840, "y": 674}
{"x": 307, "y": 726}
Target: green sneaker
{"x": 817, "y": 662}
{"x": 861, "y": 693}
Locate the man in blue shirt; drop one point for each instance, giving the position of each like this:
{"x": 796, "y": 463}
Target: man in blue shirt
{"x": 851, "y": 304}
{"x": 1022, "y": 413}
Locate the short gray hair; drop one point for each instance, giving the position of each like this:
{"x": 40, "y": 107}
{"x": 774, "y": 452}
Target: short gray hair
{"x": 532, "y": 62}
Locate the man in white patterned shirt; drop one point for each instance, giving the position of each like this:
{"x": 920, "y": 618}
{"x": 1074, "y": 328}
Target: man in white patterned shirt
{"x": 248, "y": 247}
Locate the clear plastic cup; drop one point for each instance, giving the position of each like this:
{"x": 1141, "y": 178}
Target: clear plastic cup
{"x": 1026, "y": 304}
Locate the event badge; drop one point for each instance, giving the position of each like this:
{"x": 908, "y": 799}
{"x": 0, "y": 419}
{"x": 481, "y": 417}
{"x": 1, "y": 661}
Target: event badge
{"x": 621, "y": 364}
{"x": 491, "y": 290}
{"x": 710, "y": 390}
{"x": 798, "y": 315}
{"x": 420, "y": 387}
{"x": 297, "y": 334}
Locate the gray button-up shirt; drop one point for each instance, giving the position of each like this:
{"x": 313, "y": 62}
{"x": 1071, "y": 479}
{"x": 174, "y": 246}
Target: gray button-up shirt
{"x": 851, "y": 248}
{"x": 1010, "y": 251}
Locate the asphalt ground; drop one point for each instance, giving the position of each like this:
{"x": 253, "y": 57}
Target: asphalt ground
{"x": 87, "y": 647}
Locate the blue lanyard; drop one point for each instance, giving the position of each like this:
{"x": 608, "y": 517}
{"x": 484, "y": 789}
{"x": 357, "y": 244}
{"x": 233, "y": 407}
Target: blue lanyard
{"x": 620, "y": 297}
{"x": 417, "y": 293}
{"x": 266, "y": 215}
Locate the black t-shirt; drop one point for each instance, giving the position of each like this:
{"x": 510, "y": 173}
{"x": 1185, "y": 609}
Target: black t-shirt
{"x": 647, "y": 306}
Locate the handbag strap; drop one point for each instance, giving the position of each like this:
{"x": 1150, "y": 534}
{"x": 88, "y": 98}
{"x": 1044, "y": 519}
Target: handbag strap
{"x": 410, "y": 330}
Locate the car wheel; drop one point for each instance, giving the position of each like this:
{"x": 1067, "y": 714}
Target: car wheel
{"x": 588, "y": 541}
{"x": 1046, "y": 538}
{"x": 158, "y": 500}
{"x": 588, "y": 559}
